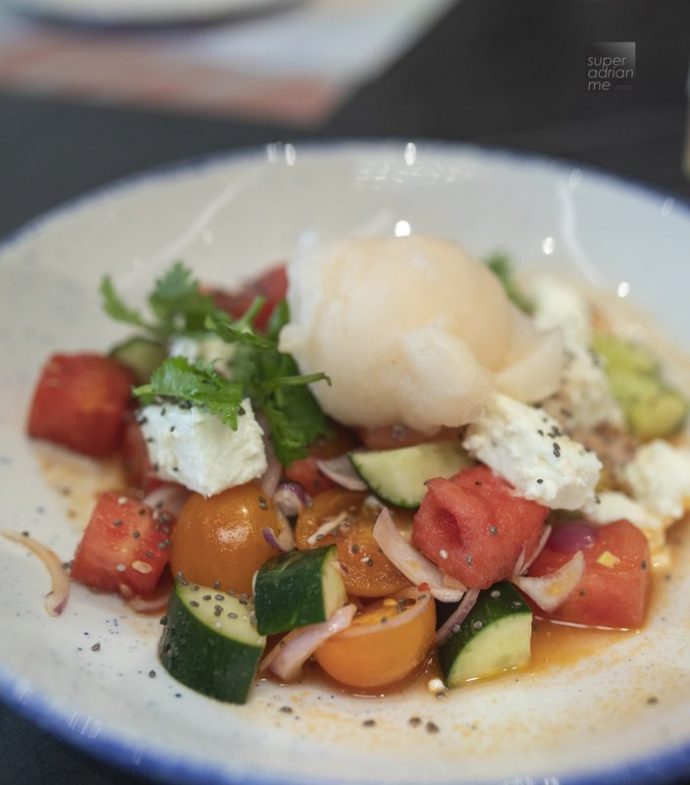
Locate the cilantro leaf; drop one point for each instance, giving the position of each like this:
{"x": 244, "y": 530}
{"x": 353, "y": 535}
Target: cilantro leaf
{"x": 502, "y": 268}
{"x": 269, "y": 378}
{"x": 182, "y": 381}
{"x": 115, "y": 307}
{"x": 177, "y": 303}
{"x": 280, "y": 392}
{"x": 235, "y": 332}
{"x": 294, "y": 417}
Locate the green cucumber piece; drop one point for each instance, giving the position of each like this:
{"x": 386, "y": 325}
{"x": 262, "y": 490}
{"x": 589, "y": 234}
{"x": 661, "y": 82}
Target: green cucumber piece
{"x": 624, "y": 356}
{"x": 651, "y": 408}
{"x": 141, "y": 355}
{"x": 496, "y": 636}
{"x": 398, "y": 476}
{"x": 210, "y": 642}
{"x": 298, "y": 588}
{"x": 660, "y": 415}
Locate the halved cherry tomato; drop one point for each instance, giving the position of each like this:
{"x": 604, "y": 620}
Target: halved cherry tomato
{"x": 383, "y": 645}
{"x": 217, "y": 541}
{"x": 306, "y": 471}
{"x": 367, "y": 571}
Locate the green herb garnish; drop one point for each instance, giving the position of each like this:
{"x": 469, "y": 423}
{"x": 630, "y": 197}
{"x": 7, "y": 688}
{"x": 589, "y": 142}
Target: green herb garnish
{"x": 177, "y": 304}
{"x": 277, "y": 389}
{"x": 258, "y": 370}
{"x": 502, "y": 268}
{"x": 178, "y": 379}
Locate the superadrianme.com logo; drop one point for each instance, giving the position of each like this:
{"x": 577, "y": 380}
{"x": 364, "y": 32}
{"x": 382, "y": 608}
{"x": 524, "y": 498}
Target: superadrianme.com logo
{"x": 610, "y": 67}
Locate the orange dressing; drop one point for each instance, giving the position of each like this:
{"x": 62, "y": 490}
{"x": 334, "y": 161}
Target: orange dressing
{"x": 554, "y": 645}
{"x": 78, "y": 479}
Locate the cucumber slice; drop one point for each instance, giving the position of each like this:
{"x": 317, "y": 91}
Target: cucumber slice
{"x": 210, "y": 643}
{"x": 496, "y": 636}
{"x": 653, "y": 410}
{"x": 298, "y": 588}
{"x": 398, "y": 476}
{"x": 141, "y": 355}
{"x": 623, "y": 355}
{"x": 661, "y": 415}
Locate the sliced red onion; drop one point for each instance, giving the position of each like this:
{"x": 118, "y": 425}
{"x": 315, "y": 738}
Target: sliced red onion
{"x": 271, "y": 477}
{"x": 291, "y": 498}
{"x": 288, "y": 656}
{"x": 453, "y": 583}
{"x": 540, "y": 547}
{"x": 457, "y": 617}
{"x": 572, "y": 536}
{"x": 284, "y": 540}
{"x": 342, "y": 472}
{"x": 167, "y": 497}
{"x": 522, "y": 565}
{"x": 56, "y": 599}
{"x": 550, "y": 591}
{"x": 519, "y": 566}
{"x": 420, "y": 601}
{"x": 415, "y": 567}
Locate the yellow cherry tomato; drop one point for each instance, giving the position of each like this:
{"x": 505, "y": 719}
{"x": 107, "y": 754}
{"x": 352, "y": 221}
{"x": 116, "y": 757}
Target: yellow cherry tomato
{"x": 218, "y": 540}
{"x": 382, "y": 645}
{"x": 367, "y": 572}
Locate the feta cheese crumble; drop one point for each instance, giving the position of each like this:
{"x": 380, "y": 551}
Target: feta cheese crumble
{"x": 195, "y": 448}
{"x": 584, "y": 399}
{"x": 526, "y": 447}
{"x": 659, "y": 478}
{"x": 204, "y": 348}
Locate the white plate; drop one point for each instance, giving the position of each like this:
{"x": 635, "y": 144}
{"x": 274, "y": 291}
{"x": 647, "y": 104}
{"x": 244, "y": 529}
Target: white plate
{"x": 146, "y": 12}
{"x": 228, "y": 217}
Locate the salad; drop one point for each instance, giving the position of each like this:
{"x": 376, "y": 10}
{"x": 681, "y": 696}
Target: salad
{"x": 383, "y": 452}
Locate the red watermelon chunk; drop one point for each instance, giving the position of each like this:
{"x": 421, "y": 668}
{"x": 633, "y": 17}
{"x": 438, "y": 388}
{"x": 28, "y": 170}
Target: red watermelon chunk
{"x": 125, "y": 546}
{"x": 80, "y": 402}
{"x": 614, "y": 588}
{"x": 474, "y": 527}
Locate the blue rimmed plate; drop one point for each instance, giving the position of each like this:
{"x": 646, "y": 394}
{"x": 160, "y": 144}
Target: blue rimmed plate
{"x": 621, "y": 711}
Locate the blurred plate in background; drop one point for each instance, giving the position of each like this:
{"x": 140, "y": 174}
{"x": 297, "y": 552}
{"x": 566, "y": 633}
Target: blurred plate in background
{"x": 143, "y": 12}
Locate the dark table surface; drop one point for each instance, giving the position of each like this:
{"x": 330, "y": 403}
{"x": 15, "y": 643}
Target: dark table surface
{"x": 499, "y": 72}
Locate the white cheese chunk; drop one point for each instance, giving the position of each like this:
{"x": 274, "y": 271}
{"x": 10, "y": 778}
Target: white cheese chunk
{"x": 195, "y": 448}
{"x": 526, "y": 447}
{"x": 559, "y": 304}
{"x": 610, "y": 506}
{"x": 205, "y": 348}
{"x": 659, "y": 478}
{"x": 584, "y": 399}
